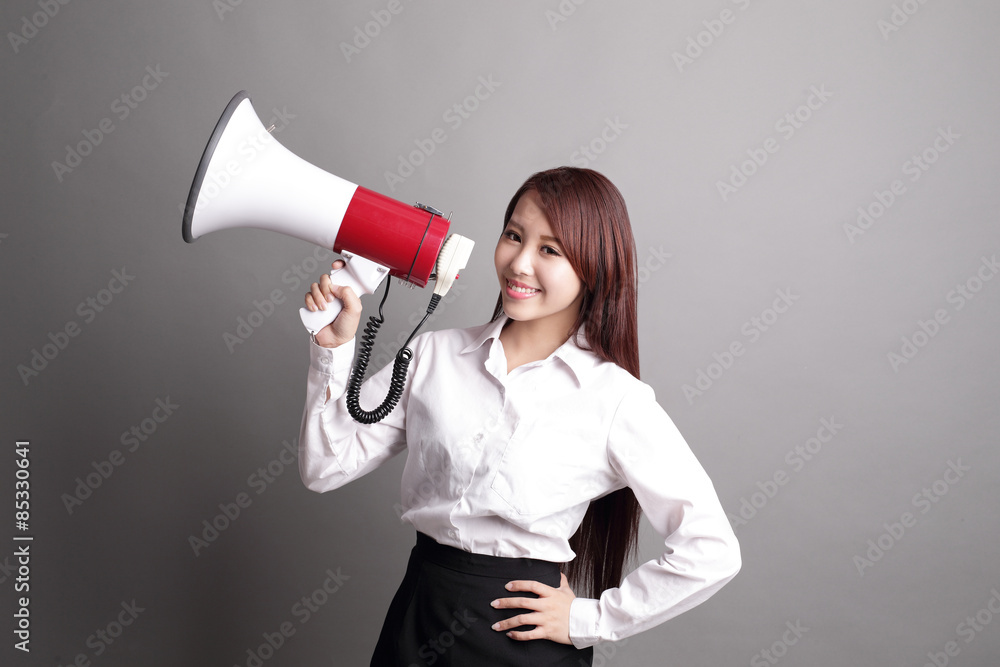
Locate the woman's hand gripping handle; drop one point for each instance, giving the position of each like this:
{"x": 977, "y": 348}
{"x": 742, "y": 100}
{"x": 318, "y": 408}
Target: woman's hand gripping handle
{"x": 333, "y": 309}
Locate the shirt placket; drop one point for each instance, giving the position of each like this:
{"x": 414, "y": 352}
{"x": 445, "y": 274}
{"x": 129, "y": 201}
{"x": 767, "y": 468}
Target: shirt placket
{"x": 489, "y": 441}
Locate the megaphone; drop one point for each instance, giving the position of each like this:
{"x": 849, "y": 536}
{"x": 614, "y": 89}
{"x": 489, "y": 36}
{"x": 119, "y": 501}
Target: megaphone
{"x": 247, "y": 179}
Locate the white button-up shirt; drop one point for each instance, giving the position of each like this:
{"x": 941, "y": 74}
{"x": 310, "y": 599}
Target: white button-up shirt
{"x": 507, "y": 464}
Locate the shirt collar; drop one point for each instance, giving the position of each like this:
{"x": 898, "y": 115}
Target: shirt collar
{"x": 487, "y": 332}
{"x": 574, "y": 353}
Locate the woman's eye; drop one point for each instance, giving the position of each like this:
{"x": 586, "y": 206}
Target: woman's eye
{"x": 512, "y": 236}
{"x": 549, "y": 250}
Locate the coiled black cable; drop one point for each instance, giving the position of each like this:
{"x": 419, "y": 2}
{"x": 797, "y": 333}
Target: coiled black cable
{"x": 399, "y": 367}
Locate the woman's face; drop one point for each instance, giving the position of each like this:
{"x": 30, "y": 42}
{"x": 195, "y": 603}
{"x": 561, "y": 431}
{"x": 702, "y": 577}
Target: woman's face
{"x": 537, "y": 282}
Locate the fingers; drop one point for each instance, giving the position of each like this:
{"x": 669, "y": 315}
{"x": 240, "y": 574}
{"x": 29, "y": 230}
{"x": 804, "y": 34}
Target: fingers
{"x": 529, "y": 585}
{"x": 533, "y": 617}
{"x": 352, "y": 303}
{"x": 324, "y": 292}
{"x": 549, "y": 612}
{"x": 319, "y": 295}
{"x": 322, "y": 295}
{"x": 516, "y": 603}
{"x": 521, "y": 635}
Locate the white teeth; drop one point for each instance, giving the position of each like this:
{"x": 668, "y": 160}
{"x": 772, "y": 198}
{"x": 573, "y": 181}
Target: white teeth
{"x": 521, "y": 290}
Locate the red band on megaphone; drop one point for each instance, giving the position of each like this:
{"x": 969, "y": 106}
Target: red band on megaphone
{"x": 406, "y": 239}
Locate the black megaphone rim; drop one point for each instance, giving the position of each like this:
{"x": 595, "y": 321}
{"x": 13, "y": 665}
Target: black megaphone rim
{"x": 206, "y": 158}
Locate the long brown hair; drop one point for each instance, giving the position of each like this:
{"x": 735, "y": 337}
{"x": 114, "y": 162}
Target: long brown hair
{"x": 588, "y": 215}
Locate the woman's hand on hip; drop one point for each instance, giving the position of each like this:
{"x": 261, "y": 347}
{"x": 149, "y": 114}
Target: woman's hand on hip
{"x": 549, "y": 612}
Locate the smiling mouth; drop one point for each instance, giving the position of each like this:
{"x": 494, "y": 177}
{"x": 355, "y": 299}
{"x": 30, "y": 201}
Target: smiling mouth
{"x": 526, "y": 291}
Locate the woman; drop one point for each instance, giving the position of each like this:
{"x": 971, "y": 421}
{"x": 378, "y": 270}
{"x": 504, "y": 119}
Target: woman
{"x": 531, "y": 444}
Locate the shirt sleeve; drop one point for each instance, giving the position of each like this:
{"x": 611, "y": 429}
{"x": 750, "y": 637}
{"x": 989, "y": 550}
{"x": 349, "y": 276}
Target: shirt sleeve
{"x": 333, "y": 448}
{"x": 700, "y": 554}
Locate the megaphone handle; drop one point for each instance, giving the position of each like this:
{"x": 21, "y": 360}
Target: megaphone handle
{"x": 360, "y": 274}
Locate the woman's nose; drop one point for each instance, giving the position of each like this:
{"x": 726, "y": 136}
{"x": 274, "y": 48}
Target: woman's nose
{"x": 521, "y": 263}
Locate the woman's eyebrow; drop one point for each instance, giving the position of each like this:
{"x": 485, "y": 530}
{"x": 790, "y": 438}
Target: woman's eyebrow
{"x": 550, "y": 239}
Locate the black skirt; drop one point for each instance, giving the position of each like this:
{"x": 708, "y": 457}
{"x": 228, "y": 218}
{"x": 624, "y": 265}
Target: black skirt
{"x": 441, "y": 614}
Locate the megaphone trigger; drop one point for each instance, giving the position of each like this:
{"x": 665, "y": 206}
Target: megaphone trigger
{"x": 360, "y": 274}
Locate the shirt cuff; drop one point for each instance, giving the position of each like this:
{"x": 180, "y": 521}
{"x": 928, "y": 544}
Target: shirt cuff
{"x": 331, "y": 361}
{"x": 583, "y": 616}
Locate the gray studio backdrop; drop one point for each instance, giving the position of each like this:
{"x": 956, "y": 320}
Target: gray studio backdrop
{"x": 813, "y": 191}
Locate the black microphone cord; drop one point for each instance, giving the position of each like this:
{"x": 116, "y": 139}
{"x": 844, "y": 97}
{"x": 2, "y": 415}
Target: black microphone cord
{"x": 399, "y": 366}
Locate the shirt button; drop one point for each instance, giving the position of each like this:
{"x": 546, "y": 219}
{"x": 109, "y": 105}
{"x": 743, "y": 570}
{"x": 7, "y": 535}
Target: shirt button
{"x": 324, "y": 360}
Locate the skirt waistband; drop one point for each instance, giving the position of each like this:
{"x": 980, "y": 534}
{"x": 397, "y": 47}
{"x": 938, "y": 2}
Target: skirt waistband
{"x": 429, "y": 549}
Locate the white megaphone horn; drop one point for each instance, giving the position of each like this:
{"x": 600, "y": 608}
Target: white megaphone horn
{"x": 247, "y": 179}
